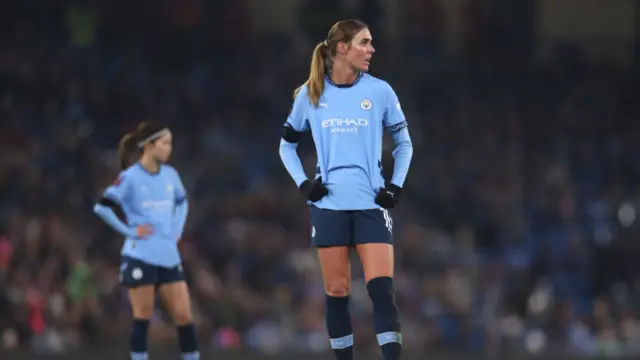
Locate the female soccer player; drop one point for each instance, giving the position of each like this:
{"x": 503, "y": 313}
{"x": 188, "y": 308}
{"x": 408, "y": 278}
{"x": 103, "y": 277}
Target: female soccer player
{"x": 151, "y": 195}
{"x": 346, "y": 110}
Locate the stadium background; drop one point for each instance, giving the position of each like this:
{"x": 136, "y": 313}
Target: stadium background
{"x": 517, "y": 234}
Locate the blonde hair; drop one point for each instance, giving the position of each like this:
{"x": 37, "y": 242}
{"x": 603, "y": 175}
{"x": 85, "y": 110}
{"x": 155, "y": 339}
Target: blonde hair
{"x": 321, "y": 60}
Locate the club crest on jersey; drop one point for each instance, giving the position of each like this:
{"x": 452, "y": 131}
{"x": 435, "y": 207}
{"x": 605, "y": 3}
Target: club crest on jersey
{"x": 365, "y": 104}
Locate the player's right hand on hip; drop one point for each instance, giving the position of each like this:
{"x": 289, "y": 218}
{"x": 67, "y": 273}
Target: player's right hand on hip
{"x": 143, "y": 231}
{"x": 314, "y": 190}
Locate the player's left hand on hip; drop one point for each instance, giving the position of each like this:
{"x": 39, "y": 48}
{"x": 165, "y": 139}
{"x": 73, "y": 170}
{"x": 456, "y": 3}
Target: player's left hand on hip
{"x": 388, "y": 197}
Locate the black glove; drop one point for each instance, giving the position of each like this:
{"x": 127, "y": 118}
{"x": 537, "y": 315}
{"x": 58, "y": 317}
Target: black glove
{"x": 313, "y": 190}
{"x": 388, "y": 197}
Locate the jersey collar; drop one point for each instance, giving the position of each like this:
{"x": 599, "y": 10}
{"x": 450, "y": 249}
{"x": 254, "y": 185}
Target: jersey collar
{"x": 147, "y": 171}
{"x": 328, "y": 78}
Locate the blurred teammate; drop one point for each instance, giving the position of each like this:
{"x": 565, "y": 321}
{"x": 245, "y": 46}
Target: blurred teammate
{"x": 154, "y": 201}
{"x": 346, "y": 111}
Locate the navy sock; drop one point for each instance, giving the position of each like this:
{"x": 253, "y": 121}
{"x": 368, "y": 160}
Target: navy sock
{"x": 385, "y": 317}
{"x": 339, "y": 326}
{"x": 138, "y": 340}
{"x": 188, "y": 342}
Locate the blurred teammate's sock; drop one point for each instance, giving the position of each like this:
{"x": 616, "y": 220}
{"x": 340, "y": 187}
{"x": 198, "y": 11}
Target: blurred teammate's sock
{"x": 138, "y": 340}
{"x": 339, "y": 326}
{"x": 385, "y": 317}
{"x": 188, "y": 342}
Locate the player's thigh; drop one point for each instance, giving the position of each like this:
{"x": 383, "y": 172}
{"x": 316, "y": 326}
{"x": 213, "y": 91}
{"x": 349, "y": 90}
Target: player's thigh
{"x": 142, "y": 300}
{"x": 176, "y": 300}
{"x": 336, "y": 270}
{"x": 377, "y": 260}
{"x": 330, "y": 227}
{"x": 373, "y": 237}
{"x": 140, "y": 278}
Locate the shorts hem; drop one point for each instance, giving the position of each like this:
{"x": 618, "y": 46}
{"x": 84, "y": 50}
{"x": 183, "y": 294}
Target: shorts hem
{"x": 133, "y": 286}
{"x": 320, "y": 246}
{"x": 167, "y": 282}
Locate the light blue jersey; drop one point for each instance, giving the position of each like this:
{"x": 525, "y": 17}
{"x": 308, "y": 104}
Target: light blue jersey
{"x": 347, "y": 129}
{"x": 155, "y": 199}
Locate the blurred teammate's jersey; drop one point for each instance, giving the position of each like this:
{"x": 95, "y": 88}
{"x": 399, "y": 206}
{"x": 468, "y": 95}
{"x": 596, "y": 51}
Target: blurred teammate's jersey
{"x": 150, "y": 199}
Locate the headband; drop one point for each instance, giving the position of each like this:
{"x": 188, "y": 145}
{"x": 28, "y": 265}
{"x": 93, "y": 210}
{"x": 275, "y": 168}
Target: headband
{"x": 154, "y": 136}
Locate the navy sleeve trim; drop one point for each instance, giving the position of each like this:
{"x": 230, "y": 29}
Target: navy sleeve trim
{"x": 397, "y": 127}
{"x": 105, "y": 201}
{"x": 115, "y": 207}
{"x": 181, "y": 200}
{"x": 290, "y": 134}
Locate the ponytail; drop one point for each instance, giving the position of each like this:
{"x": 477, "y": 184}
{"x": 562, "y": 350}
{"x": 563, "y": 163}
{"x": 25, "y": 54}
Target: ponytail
{"x": 131, "y": 145}
{"x": 127, "y": 150}
{"x": 315, "y": 83}
{"x": 343, "y": 31}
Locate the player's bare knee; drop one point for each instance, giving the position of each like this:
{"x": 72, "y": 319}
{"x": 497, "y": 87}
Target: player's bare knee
{"x": 182, "y": 316}
{"x": 338, "y": 288}
{"x": 143, "y": 311}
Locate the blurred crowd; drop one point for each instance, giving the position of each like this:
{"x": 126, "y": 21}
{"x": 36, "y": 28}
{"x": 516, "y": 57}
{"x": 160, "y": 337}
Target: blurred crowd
{"x": 518, "y": 231}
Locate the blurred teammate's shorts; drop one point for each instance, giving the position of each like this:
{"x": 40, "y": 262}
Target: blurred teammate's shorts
{"x": 134, "y": 272}
{"x": 350, "y": 228}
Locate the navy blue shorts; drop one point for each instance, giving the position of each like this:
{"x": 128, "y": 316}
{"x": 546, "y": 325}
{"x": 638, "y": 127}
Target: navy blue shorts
{"x": 134, "y": 272}
{"x": 350, "y": 228}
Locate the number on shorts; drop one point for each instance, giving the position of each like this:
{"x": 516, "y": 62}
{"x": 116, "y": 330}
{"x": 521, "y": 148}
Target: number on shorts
{"x": 388, "y": 221}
